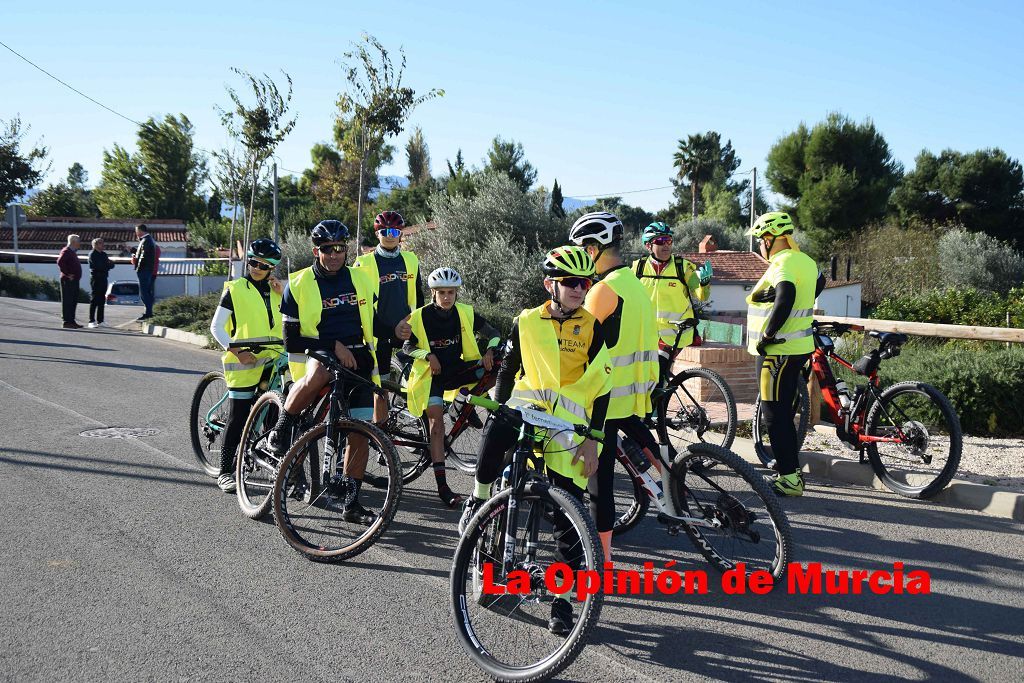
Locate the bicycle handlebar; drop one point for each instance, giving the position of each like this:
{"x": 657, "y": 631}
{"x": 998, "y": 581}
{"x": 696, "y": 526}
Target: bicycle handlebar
{"x": 328, "y": 360}
{"x": 495, "y": 407}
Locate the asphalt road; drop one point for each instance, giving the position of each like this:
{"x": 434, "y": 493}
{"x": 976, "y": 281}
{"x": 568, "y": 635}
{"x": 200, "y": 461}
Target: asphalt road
{"x": 122, "y": 561}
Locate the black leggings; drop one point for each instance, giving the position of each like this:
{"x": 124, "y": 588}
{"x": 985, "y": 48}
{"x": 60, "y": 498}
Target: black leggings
{"x": 602, "y": 485}
{"x": 779, "y": 378}
{"x": 496, "y": 451}
{"x": 238, "y": 412}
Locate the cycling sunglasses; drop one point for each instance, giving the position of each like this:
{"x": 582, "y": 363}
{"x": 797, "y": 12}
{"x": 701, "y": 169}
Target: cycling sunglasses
{"x": 259, "y": 265}
{"x": 660, "y": 241}
{"x": 574, "y": 282}
{"x": 394, "y": 233}
{"x": 333, "y": 249}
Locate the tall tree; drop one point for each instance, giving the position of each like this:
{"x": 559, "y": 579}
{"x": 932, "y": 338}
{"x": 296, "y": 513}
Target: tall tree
{"x": 259, "y": 128}
{"x": 508, "y": 157}
{"x": 77, "y": 175}
{"x": 556, "y": 201}
{"x": 981, "y": 190}
{"x": 160, "y": 180}
{"x": 20, "y": 170}
{"x": 69, "y": 198}
{"x": 838, "y": 176}
{"x": 418, "y": 155}
{"x": 459, "y": 182}
{"x": 700, "y": 158}
{"x": 377, "y": 102}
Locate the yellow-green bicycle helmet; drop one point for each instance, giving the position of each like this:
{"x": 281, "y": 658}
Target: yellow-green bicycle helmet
{"x": 568, "y": 261}
{"x": 775, "y": 223}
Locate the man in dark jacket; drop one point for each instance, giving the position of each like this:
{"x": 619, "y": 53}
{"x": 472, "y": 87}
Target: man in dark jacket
{"x": 100, "y": 266}
{"x": 144, "y": 260}
{"x": 70, "y": 275}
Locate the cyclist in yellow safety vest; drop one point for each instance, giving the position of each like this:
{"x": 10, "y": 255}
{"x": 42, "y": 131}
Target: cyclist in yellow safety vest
{"x": 399, "y": 290}
{"x": 556, "y": 360}
{"x": 672, "y": 283}
{"x": 331, "y": 307}
{"x": 447, "y": 358}
{"x": 622, "y": 306}
{"x": 780, "y": 310}
{"x": 249, "y": 313}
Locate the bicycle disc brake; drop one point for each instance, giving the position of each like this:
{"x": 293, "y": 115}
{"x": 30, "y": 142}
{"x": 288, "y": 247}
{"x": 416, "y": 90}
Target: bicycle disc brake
{"x": 916, "y": 440}
{"x": 735, "y": 516}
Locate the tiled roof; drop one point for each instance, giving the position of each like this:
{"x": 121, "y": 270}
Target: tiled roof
{"x": 731, "y": 266}
{"x": 31, "y": 237}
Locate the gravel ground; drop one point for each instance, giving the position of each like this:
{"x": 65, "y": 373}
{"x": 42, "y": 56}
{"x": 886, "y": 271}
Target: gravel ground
{"x": 996, "y": 462}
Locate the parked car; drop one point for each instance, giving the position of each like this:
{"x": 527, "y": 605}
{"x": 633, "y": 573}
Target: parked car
{"x": 123, "y": 292}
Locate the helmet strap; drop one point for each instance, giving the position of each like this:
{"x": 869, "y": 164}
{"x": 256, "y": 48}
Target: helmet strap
{"x": 557, "y": 301}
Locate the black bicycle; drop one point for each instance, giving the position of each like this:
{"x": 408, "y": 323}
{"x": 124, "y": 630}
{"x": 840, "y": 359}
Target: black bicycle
{"x": 527, "y": 526}
{"x": 317, "y": 477}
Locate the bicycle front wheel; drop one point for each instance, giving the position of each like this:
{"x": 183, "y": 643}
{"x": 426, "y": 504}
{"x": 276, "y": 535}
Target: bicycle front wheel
{"x": 801, "y": 408}
{"x": 734, "y": 515}
{"x": 925, "y": 453}
{"x": 409, "y": 436}
{"x": 505, "y": 634}
{"x": 697, "y": 407}
{"x": 316, "y": 519}
{"x": 207, "y": 420}
{"x": 256, "y": 465}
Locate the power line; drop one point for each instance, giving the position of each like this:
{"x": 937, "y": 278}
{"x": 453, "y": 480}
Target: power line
{"x": 616, "y": 194}
{"x": 66, "y": 85}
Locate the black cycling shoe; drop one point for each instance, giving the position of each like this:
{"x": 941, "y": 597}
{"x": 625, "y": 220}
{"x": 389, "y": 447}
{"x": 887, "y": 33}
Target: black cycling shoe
{"x": 276, "y": 443}
{"x": 357, "y": 514}
{"x": 560, "y": 622}
{"x": 474, "y": 420}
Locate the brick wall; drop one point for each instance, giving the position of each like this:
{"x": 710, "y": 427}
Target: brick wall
{"x": 731, "y": 362}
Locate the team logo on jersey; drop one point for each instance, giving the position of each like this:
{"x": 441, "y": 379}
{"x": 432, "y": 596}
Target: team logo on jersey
{"x": 576, "y": 330}
{"x": 445, "y": 343}
{"x": 343, "y": 300}
{"x": 393, "y": 277}
{"x": 673, "y": 284}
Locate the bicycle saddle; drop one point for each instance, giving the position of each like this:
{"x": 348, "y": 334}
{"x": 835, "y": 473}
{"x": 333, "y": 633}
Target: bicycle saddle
{"x": 893, "y": 338}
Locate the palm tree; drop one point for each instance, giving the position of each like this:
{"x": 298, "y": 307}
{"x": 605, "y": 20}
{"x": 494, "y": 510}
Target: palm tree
{"x": 698, "y": 157}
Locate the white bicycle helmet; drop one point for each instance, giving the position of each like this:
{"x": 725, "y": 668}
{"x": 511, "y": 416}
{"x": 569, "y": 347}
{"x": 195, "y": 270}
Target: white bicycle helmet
{"x": 444, "y": 277}
{"x": 600, "y": 226}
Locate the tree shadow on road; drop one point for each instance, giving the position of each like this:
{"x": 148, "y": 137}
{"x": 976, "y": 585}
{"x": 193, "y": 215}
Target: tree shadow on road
{"x": 54, "y": 344}
{"x": 106, "y": 364}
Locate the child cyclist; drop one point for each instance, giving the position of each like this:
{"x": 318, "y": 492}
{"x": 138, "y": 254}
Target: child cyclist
{"x": 446, "y": 357}
{"x": 556, "y": 360}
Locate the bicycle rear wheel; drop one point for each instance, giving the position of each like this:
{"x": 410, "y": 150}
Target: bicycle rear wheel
{"x": 927, "y": 456}
{"x": 256, "y": 465}
{"x": 697, "y": 407}
{"x": 506, "y": 635}
{"x": 207, "y": 420}
{"x": 740, "y": 518}
{"x": 463, "y": 448}
{"x": 311, "y": 517}
{"x": 802, "y": 408}
{"x": 407, "y": 433}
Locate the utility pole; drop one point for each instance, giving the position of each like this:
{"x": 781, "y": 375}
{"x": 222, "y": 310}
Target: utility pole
{"x": 277, "y": 221}
{"x": 753, "y": 204}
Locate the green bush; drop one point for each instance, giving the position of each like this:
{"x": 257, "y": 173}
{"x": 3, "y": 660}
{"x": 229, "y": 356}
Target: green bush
{"x": 955, "y": 306}
{"x": 25, "y": 285}
{"x": 189, "y": 313}
{"x": 983, "y": 383}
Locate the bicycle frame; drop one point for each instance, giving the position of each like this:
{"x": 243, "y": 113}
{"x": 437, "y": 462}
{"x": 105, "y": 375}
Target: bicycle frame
{"x": 274, "y": 382}
{"x": 850, "y": 423}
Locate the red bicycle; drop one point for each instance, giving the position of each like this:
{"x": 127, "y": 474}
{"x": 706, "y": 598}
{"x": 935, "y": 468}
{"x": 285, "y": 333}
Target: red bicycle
{"x": 909, "y": 431}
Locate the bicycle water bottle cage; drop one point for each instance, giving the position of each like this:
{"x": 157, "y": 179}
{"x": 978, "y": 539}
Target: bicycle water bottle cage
{"x": 868, "y": 363}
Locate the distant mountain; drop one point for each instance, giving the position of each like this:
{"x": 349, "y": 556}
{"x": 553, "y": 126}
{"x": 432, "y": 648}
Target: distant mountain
{"x": 388, "y": 183}
{"x": 570, "y": 204}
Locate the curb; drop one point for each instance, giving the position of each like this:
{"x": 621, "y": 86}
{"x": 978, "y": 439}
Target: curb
{"x": 998, "y": 501}
{"x": 175, "y": 335}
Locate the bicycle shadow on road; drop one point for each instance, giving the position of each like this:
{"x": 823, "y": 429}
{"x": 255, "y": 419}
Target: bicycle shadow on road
{"x": 54, "y": 344}
{"x": 163, "y": 369}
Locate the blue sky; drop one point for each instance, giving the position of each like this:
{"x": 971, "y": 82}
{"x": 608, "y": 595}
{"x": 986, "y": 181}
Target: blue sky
{"x": 597, "y": 92}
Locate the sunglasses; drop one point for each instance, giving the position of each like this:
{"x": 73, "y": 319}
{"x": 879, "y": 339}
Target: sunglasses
{"x": 394, "y": 233}
{"x": 333, "y": 249}
{"x": 574, "y": 282}
{"x": 259, "y": 265}
{"x": 661, "y": 241}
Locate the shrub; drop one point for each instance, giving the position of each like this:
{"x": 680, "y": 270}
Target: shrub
{"x": 974, "y": 259}
{"x": 26, "y": 285}
{"x": 955, "y": 306}
{"x": 189, "y": 313}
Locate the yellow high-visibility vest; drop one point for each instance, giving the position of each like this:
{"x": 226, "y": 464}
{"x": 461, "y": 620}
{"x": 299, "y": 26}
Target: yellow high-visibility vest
{"x": 793, "y": 266}
{"x": 418, "y": 387}
{"x": 250, "y": 324}
{"x": 412, "y": 268}
{"x": 540, "y": 384}
{"x": 670, "y": 293}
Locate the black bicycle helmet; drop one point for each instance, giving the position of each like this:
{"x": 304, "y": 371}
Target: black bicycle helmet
{"x": 329, "y": 231}
{"x": 266, "y": 249}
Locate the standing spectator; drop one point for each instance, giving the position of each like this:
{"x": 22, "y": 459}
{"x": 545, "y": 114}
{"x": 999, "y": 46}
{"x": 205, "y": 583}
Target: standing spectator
{"x": 70, "y": 275}
{"x": 100, "y": 266}
{"x": 144, "y": 260}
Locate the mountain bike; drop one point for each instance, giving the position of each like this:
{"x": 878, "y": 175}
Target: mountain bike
{"x": 724, "y": 506}
{"x": 909, "y": 432}
{"x": 527, "y": 525}
{"x": 313, "y": 481}
{"x": 208, "y": 413}
{"x": 411, "y": 435}
{"x": 694, "y": 405}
